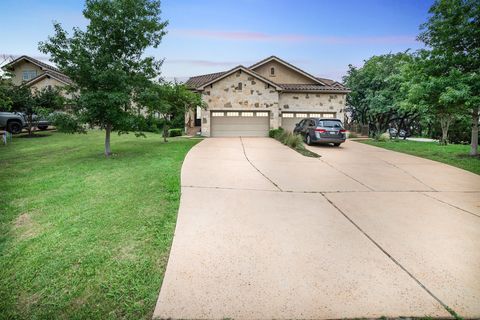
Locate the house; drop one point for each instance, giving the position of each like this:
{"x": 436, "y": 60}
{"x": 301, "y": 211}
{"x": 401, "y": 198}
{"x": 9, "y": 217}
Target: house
{"x": 35, "y": 74}
{"x": 272, "y": 93}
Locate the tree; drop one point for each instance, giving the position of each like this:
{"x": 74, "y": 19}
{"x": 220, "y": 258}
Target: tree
{"x": 6, "y": 87}
{"x": 35, "y": 106}
{"x": 106, "y": 61}
{"x": 376, "y": 97}
{"x": 453, "y": 34}
{"x": 166, "y": 100}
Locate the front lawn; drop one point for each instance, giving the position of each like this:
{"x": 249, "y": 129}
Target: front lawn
{"x": 452, "y": 154}
{"x": 81, "y": 236}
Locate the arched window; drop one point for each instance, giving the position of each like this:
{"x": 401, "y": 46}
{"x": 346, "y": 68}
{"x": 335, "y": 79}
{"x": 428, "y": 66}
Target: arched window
{"x": 239, "y": 86}
{"x": 272, "y": 71}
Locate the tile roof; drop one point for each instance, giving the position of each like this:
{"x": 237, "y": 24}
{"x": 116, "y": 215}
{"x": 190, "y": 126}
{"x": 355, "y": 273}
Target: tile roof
{"x": 311, "y": 87}
{"x": 195, "y": 82}
{"x": 57, "y": 75}
{"x": 49, "y": 70}
{"x": 330, "y": 85}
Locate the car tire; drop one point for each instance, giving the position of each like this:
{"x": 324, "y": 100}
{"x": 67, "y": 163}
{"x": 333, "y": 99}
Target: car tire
{"x": 308, "y": 140}
{"x": 43, "y": 128}
{"x": 14, "y": 127}
{"x": 337, "y": 144}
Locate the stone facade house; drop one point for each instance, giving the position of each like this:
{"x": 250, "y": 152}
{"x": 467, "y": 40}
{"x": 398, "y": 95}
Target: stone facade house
{"x": 248, "y": 101}
{"x": 35, "y": 74}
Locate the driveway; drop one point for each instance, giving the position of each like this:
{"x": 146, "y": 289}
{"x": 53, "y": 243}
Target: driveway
{"x": 265, "y": 233}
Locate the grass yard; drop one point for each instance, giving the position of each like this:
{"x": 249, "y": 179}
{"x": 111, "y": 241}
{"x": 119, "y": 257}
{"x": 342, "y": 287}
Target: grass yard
{"x": 452, "y": 154}
{"x": 81, "y": 236}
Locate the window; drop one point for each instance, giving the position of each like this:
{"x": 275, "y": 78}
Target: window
{"x": 287, "y": 115}
{"x": 232, "y": 114}
{"x": 328, "y": 115}
{"x": 239, "y": 86}
{"x": 29, "y": 75}
{"x": 272, "y": 71}
{"x": 198, "y": 113}
{"x": 262, "y": 114}
{"x": 330, "y": 124}
{"x": 247, "y": 114}
{"x": 315, "y": 115}
{"x": 217, "y": 114}
{"x": 301, "y": 115}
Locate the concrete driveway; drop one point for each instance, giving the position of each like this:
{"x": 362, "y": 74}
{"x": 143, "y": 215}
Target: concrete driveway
{"x": 265, "y": 233}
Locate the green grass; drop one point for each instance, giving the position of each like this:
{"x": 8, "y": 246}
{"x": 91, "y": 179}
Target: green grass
{"x": 81, "y": 236}
{"x": 452, "y": 154}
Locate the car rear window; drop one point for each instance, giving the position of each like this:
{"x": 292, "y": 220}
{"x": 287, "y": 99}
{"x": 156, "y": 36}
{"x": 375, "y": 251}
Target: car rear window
{"x": 330, "y": 124}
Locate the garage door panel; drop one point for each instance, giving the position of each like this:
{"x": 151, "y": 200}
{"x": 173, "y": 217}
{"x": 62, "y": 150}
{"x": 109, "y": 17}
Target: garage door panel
{"x": 224, "y": 126}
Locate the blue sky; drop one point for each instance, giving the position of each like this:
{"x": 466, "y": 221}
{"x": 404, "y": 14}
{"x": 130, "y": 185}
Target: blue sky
{"x": 321, "y": 37}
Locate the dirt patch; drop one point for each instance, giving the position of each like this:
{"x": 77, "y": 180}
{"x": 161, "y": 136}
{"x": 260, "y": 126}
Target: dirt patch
{"x": 25, "y": 227}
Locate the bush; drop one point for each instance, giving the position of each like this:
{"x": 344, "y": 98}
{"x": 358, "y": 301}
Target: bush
{"x": 175, "y": 132}
{"x": 383, "y": 137}
{"x": 273, "y": 133}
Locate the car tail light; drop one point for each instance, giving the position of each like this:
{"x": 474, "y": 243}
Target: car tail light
{"x": 321, "y": 130}
{"x": 343, "y": 131}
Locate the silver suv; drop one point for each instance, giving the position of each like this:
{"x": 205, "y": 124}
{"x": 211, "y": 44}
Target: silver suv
{"x": 321, "y": 130}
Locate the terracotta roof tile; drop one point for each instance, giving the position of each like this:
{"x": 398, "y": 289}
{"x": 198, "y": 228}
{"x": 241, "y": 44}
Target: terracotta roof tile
{"x": 197, "y": 81}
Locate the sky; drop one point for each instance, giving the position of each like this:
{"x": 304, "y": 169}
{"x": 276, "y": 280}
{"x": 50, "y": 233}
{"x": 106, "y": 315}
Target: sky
{"x": 321, "y": 37}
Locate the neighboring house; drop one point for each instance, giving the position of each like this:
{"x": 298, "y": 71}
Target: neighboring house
{"x": 35, "y": 74}
{"x": 269, "y": 94}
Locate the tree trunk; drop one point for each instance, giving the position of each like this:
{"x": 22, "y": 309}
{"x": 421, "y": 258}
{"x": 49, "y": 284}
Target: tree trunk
{"x": 444, "y": 123}
{"x": 108, "y": 130}
{"x": 474, "y": 139}
{"x": 165, "y": 133}
{"x": 30, "y": 124}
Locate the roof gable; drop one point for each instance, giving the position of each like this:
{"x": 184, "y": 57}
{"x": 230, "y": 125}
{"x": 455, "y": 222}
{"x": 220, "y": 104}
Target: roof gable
{"x": 287, "y": 65}
{"x": 232, "y": 71}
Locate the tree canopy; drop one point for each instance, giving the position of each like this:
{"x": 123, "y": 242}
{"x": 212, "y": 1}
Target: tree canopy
{"x": 107, "y": 63}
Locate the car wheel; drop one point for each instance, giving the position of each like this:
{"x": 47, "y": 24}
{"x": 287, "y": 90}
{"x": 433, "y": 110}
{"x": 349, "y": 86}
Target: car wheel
{"x": 336, "y": 144}
{"x": 14, "y": 127}
{"x": 42, "y": 128}
{"x": 308, "y": 140}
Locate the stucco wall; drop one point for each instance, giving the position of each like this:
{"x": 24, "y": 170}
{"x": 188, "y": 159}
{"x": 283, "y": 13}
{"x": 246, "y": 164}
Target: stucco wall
{"x": 312, "y": 102}
{"x": 45, "y": 82}
{"x": 282, "y": 74}
{"x": 255, "y": 95}
{"x": 22, "y": 66}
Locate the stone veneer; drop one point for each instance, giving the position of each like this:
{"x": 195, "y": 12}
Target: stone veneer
{"x": 255, "y": 95}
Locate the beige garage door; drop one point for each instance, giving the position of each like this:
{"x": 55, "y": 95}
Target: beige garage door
{"x": 239, "y": 124}
{"x": 290, "y": 119}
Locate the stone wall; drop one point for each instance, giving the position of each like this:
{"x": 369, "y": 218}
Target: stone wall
{"x": 312, "y": 102}
{"x": 226, "y": 94}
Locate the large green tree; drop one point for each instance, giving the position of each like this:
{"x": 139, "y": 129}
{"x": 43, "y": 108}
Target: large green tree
{"x": 376, "y": 96}
{"x": 106, "y": 61}
{"x": 452, "y": 32}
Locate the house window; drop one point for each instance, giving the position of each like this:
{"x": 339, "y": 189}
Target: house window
{"x": 28, "y": 75}
{"x": 328, "y": 115}
{"x": 301, "y": 115}
{"x": 315, "y": 115}
{"x": 262, "y": 114}
{"x": 272, "y": 71}
{"x": 287, "y": 115}
{"x": 232, "y": 114}
{"x": 217, "y": 114}
{"x": 239, "y": 86}
{"x": 247, "y": 114}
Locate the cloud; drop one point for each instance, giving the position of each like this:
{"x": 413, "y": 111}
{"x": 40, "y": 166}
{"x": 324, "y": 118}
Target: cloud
{"x": 266, "y": 37}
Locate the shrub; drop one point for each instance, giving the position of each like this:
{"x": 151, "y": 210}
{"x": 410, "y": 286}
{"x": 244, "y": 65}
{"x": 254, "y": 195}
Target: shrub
{"x": 273, "y": 133}
{"x": 294, "y": 141}
{"x": 383, "y": 137}
{"x": 175, "y": 132}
